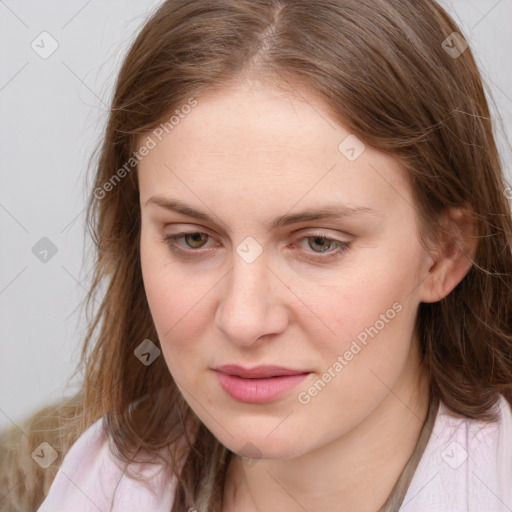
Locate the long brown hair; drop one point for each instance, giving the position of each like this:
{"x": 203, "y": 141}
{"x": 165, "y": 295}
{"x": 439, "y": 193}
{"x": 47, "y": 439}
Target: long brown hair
{"x": 393, "y": 72}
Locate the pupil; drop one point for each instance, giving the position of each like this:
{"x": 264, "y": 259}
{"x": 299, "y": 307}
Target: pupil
{"x": 196, "y": 237}
{"x": 318, "y": 240}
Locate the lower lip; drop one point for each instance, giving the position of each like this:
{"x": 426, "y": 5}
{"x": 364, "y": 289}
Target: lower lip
{"x": 258, "y": 391}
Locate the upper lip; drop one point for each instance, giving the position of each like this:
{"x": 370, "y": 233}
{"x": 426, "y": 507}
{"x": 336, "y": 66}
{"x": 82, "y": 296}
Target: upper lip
{"x": 263, "y": 371}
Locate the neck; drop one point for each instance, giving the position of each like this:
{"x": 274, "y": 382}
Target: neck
{"x": 355, "y": 472}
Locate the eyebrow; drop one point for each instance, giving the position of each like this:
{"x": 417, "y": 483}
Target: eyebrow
{"x": 328, "y": 212}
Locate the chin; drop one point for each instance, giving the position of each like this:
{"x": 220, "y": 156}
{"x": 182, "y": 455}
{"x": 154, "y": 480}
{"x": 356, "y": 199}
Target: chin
{"x": 261, "y": 447}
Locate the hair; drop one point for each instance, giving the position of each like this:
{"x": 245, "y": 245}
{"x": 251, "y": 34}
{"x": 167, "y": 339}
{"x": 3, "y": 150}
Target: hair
{"x": 379, "y": 67}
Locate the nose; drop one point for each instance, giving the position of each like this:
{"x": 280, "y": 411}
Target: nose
{"x": 252, "y": 303}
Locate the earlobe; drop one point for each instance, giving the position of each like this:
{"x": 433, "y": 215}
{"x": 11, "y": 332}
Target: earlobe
{"x": 453, "y": 256}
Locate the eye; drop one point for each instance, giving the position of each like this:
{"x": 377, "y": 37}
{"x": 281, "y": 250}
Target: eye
{"x": 324, "y": 243}
{"x": 195, "y": 240}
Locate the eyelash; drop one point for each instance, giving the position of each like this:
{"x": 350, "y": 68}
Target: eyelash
{"x": 340, "y": 245}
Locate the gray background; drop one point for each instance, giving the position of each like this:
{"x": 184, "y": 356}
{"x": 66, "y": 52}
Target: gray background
{"x": 52, "y": 112}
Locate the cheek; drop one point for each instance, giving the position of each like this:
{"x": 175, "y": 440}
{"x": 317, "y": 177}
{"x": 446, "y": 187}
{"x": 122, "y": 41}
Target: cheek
{"x": 372, "y": 317}
{"x": 371, "y": 327}
{"x": 177, "y": 301}
{"x": 172, "y": 313}
{"x": 368, "y": 356}
{"x": 372, "y": 299}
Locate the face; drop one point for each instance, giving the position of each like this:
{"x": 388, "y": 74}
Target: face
{"x": 254, "y": 280}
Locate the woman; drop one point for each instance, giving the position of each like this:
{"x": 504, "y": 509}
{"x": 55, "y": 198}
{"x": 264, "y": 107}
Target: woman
{"x": 235, "y": 363}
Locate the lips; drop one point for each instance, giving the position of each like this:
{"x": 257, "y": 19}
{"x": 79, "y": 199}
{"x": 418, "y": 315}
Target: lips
{"x": 258, "y": 385}
{"x": 258, "y": 372}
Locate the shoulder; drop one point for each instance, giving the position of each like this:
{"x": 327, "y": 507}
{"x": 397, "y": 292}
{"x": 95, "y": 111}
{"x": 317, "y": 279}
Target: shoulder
{"x": 90, "y": 478}
{"x": 467, "y": 465}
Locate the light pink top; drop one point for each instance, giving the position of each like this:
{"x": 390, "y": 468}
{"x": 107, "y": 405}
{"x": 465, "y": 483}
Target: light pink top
{"x": 87, "y": 478}
{"x": 466, "y": 466}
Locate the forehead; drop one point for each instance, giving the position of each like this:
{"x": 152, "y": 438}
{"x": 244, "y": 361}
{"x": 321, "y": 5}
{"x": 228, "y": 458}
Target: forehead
{"x": 265, "y": 146}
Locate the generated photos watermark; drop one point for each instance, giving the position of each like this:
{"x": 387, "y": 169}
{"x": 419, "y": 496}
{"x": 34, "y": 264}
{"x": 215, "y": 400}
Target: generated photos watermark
{"x": 150, "y": 143}
{"x": 305, "y": 397}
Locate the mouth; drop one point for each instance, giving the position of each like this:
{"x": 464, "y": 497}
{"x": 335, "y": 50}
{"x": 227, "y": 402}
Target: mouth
{"x": 258, "y": 372}
{"x": 261, "y": 384}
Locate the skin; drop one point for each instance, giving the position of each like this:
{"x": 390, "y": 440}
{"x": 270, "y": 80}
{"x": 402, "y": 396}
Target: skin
{"x": 246, "y": 155}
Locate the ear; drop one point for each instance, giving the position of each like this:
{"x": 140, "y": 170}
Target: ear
{"x": 452, "y": 256}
